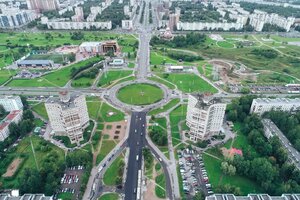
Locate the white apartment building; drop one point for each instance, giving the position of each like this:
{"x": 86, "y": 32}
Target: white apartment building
{"x": 259, "y": 18}
{"x": 11, "y": 103}
{"x": 205, "y": 115}
{"x": 67, "y": 25}
{"x": 15, "y": 18}
{"x": 198, "y": 26}
{"x": 127, "y": 24}
{"x": 90, "y": 47}
{"x": 68, "y": 115}
{"x": 261, "y": 105}
{"x": 14, "y": 116}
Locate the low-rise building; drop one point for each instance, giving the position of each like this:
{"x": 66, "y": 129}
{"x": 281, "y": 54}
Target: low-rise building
{"x": 68, "y": 115}
{"x": 90, "y": 47}
{"x": 127, "y": 24}
{"x": 15, "y": 195}
{"x": 41, "y": 64}
{"x": 14, "y": 116}
{"x": 205, "y": 115}
{"x": 199, "y": 26}
{"x": 11, "y": 103}
{"x": 261, "y": 105}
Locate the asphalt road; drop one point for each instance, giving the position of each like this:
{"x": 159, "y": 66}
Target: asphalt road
{"x": 136, "y": 142}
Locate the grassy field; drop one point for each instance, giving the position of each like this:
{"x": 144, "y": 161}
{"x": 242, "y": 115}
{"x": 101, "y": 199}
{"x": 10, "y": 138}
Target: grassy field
{"x": 5, "y": 75}
{"x": 33, "y": 158}
{"x": 160, "y": 180}
{"x": 111, "y": 76}
{"x": 162, "y": 81}
{"x": 82, "y": 82}
{"x": 107, "y": 146}
{"x": 109, "y": 196}
{"x": 40, "y": 109}
{"x": 159, "y": 59}
{"x": 166, "y": 107}
{"x": 176, "y": 116}
{"x": 112, "y": 172}
{"x": 189, "y": 83}
{"x": 140, "y": 94}
{"x": 58, "y": 78}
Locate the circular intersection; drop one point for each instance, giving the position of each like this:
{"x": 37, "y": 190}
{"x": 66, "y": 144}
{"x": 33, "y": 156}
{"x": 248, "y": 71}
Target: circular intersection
{"x": 140, "y": 94}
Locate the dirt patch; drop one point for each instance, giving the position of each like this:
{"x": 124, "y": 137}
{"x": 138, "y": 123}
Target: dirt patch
{"x": 115, "y": 130}
{"x": 12, "y": 168}
{"x": 149, "y": 194}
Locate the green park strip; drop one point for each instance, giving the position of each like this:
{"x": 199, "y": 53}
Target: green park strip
{"x": 189, "y": 82}
{"x": 109, "y": 196}
{"x": 176, "y": 116}
{"x": 106, "y": 147}
{"x": 159, "y": 59}
{"x": 140, "y": 94}
{"x": 160, "y": 188}
{"x": 40, "y": 109}
{"x": 165, "y": 108}
{"x": 114, "y": 174}
{"x": 57, "y": 78}
{"x": 5, "y": 75}
{"x": 82, "y": 82}
{"x": 109, "y": 77}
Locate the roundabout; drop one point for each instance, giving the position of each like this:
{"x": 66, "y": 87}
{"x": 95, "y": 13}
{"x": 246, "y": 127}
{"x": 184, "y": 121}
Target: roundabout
{"x": 140, "y": 94}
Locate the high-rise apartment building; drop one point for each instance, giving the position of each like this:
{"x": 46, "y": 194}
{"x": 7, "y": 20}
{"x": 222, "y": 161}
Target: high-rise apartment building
{"x": 68, "y": 115}
{"x": 261, "y": 105}
{"x": 15, "y": 18}
{"x": 11, "y": 103}
{"x": 205, "y": 115}
{"x": 42, "y": 5}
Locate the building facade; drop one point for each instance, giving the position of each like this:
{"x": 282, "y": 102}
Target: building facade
{"x": 42, "y": 5}
{"x": 205, "y": 115}
{"x": 261, "y": 105}
{"x": 14, "y": 116}
{"x": 15, "y": 18}
{"x": 36, "y": 64}
{"x": 11, "y": 103}
{"x": 68, "y": 115}
{"x": 252, "y": 197}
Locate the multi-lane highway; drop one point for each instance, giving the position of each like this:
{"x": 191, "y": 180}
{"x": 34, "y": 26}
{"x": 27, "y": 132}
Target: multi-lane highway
{"x": 136, "y": 142}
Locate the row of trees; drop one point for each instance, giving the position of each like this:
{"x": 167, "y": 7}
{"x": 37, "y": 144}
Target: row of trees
{"x": 184, "y": 56}
{"x": 264, "y": 161}
{"x": 79, "y": 67}
{"x": 147, "y": 157}
{"x": 267, "y": 53}
{"x": 190, "y": 40}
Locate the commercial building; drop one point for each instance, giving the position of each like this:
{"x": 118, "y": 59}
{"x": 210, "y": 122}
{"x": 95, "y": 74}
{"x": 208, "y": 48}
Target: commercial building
{"x": 42, "y": 5}
{"x": 14, "y": 116}
{"x": 68, "y": 115}
{"x": 90, "y": 47}
{"x": 15, "y": 18}
{"x": 261, "y": 105}
{"x": 11, "y": 103}
{"x": 48, "y": 64}
{"x": 198, "y": 26}
{"x": 252, "y": 197}
{"x": 205, "y": 115}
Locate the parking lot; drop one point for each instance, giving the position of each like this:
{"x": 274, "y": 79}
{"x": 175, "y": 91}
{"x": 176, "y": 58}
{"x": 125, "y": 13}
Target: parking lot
{"x": 70, "y": 182}
{"x": 193, "y": 173}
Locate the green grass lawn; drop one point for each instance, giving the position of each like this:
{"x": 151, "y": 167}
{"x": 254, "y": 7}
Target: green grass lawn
{"x": 140, "y": 94}
{"x": 161, "y": 181}
{"x": 112, "y": 172}
{"x": 24, "y": 148}
{"x": 109, "y": 77}
{"x": 177, "y": 115}
{"x": 131, "y": 65}
{"x": 166, "y": 107}
{"x": 107, "y": 146}
{"x": 82, "y": 82}
{"x": 5, "y": 75}
{"x": 189, "y": 83}
{"x": 109, "y": 196}
{"x": 158, "y": 59}
{"x": 40, "y": 109}
{"x": 65, "y": 196}
{"x": 57, "y": 78}
{"x": 162, "y": 81}
{"x": 225, "y": 44}
{"x": 93, "y": 108}
{"x": 213, "y": 167}
{"x": 106, "y": 109}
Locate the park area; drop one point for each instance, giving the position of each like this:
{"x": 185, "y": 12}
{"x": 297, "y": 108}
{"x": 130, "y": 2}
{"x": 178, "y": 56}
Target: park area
{"x": 113, "y": 77}
{"x": 140, "y": 94}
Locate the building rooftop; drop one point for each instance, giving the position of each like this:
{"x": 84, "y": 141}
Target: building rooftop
{"x": 6, "y": 121}
{"x": 25, "y": 197}
{"x": 35, "y": 62}
{"x": 66, "y": 99}
{"x": 205, "y": 100}
{"x": 277, "y": 101}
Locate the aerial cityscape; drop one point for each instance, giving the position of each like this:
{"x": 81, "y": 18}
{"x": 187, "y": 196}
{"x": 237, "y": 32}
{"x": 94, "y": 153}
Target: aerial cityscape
{"x": 149, "y": 100}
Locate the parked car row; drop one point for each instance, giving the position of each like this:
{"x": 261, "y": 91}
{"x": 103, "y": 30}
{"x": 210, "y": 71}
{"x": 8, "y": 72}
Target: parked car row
{"x": 69, "y": 179}
{"x": 79, "y": 167}
{"x": 70, "y": 190}
{"x": 204, "y": 175}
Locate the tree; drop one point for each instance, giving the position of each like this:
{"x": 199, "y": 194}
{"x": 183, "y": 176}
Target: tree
{"x": 72, "y": 57}
{"x": 27, "y": 114}
{"x": 199, "y": 196}
{"x": 228, "y": 169}
{"x": 30, "y": 181}
{"x": 2, "y": 111}
{"x": 14, "y": 130}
